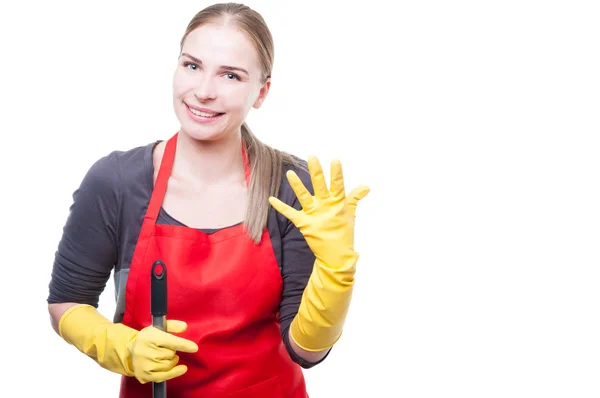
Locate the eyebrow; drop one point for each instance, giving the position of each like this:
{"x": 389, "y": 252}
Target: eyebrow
{"x": 198, "y": 61}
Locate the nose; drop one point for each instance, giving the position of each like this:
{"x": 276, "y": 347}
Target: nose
{"x": 206, "y": 89}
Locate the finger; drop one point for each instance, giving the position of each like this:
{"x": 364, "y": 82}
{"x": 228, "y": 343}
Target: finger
{"x": 177, "y": 371}
{"x": 161, "y": 364}
{"x": 318, "y": 178}
{"x": 174, "y": 326}
{"x": 176, "y": 343}
{"x": 163, "y": 354}
{"x": 289, "y": 212}
{"x": 304, "y": 197}
{"x": 337, "y": 179}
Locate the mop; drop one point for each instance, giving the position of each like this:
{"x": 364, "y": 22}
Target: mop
{"x": 158, "y": 308}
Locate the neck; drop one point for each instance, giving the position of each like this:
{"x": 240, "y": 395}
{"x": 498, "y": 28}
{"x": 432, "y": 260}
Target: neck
{"x": 209, "y": 162}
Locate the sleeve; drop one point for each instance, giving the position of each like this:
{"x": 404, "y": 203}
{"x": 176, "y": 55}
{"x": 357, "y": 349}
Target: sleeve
{"x": 87, "y": 250}
{"x": 297, "y": 264}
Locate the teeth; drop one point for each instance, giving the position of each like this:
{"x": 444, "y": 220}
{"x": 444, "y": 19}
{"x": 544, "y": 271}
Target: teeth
{"x": 203, "y": 114}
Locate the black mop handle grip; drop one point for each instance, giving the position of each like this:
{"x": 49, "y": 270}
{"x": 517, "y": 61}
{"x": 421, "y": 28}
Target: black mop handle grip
{"x": 158, "y": 309}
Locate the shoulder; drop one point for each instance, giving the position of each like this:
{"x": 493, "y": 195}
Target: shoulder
{"x": 119, "y": 167}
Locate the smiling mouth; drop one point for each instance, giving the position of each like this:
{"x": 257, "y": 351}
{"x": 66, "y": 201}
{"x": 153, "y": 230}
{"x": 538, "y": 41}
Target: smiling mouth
{"x": 203, "y": 114}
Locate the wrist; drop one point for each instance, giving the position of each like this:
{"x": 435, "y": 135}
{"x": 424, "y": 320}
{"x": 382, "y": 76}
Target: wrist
{"x": 338, "y": 259}
{"x": 324, "y": 306}
{"x": 100, "y": 339}
{"x": 311, "y": 338}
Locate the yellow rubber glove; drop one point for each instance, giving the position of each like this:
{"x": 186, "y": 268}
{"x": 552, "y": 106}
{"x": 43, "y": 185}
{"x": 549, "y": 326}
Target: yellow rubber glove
{"x": 149, "y": 355}
{"x": 327, "y": 223}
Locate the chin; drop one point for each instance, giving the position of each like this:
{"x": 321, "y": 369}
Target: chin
{"x": 208, "y": 132}
{"x": 202, "y": 134}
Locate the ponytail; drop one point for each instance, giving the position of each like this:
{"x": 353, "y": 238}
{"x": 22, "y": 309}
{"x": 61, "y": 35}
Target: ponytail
{"x": 266, "y": 172}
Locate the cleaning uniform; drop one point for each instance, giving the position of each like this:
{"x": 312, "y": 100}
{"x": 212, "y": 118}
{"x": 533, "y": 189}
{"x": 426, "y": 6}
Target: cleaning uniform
{"x": 238, "y": 298}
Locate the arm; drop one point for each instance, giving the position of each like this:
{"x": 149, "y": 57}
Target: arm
{"x": 297, "y": 261}
{"x": 56, "y": 312}
{"x": 314, "y": 357}
{"x": 88, "y": 248}
{"x": 327, "y": 223}
{"x": 83, "y": 263}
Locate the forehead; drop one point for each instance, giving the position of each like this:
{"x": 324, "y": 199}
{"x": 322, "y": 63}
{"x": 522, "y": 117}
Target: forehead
{"x": 221, "y": 45}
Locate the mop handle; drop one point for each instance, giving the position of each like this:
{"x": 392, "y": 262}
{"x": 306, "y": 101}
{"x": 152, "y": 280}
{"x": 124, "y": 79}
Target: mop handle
{"x": 158, "y": 308}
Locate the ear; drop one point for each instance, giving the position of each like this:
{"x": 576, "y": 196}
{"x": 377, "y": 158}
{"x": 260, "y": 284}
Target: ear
{"x": 264, "y": 90}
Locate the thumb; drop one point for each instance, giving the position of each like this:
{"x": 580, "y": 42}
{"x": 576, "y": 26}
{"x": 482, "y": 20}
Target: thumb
{"x": 289, "y": 212}
{"x": 174, "y": 326}
{"x": 357, "y": 194}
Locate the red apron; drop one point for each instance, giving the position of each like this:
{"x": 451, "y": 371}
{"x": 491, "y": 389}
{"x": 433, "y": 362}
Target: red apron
{"x": 228, "y": 290}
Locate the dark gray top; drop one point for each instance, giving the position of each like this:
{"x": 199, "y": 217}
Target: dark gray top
{"x": 105, "y": 220}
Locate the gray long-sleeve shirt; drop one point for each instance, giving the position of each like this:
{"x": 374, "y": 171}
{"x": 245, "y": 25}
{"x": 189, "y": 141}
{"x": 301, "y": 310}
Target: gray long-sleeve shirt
{"x": 105, "y": 220}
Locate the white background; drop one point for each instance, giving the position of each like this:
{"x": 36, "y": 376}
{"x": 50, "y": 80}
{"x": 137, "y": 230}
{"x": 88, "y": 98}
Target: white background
{"x": 475, "y": 123}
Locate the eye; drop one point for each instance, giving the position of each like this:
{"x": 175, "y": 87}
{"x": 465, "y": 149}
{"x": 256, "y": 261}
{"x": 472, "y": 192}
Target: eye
{"x": 190, "y": 65}
{"x": 232, "y": 76}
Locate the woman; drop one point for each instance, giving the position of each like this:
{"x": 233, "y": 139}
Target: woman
{"x": 260, "y": 271}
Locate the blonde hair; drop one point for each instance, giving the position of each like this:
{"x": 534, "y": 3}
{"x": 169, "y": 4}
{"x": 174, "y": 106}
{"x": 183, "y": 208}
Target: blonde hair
{"x": 266, "y": 163}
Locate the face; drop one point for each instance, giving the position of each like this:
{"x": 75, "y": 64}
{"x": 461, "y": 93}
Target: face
{"x": 217, "y": 81}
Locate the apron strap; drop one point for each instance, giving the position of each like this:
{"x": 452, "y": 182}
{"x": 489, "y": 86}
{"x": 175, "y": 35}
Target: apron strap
{"x": 162, "y": 180}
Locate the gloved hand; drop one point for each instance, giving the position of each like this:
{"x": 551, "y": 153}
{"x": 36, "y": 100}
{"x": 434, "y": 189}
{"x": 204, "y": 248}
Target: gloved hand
{"x": 327, "y": 223}
{"x": 149, "y": 355}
